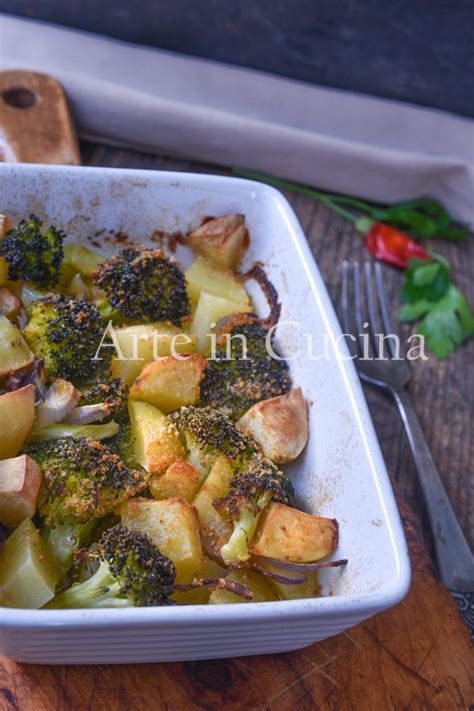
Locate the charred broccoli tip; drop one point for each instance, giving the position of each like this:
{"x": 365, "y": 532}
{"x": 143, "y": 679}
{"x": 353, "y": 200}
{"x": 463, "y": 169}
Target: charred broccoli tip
{"x": 82, "y": 479}
{"x": 66, "y": 333}
{"x": 114, "y": 393}
{"x": 32, "y": 254}
{"x": 144, "y": 285}
{"x": 132, "y": 572}
{"x": 208, "y": 433}
{"x": 236, "y": 378}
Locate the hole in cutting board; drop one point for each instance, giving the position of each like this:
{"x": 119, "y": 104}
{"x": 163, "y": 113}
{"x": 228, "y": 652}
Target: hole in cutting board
{"x": 19, "y": 97}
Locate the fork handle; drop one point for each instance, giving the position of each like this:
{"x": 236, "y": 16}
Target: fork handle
{"x": 455, "y": 560}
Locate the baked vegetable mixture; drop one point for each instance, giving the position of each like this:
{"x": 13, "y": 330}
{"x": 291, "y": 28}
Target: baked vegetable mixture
{"x": 143, "y": 425}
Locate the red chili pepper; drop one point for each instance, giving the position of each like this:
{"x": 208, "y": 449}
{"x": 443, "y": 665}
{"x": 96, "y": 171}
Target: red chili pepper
{"x": 392, "y": 246}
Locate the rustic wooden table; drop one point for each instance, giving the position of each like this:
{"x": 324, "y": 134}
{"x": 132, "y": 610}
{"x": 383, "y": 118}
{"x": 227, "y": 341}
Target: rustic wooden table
{"x": 415, "y": 656}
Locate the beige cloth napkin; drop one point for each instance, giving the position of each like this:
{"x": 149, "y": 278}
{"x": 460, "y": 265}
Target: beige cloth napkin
{"x": 163, "y": 102}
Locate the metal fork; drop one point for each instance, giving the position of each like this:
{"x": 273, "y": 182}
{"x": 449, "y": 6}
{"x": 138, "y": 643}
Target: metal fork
{"x": 364, "y": 309}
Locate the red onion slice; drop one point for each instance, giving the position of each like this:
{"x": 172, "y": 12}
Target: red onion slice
{"x": 270, "y": 573}
{"x": 258, "y": 274}
{"x": 304, "y": 567}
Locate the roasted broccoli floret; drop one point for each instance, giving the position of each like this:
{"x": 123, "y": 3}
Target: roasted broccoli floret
{"x": 114, "y": 394}
{"x": 207, "y": 434}
{"x": 250, "y": 491}
{"x": 239, "y": 376}
{"x": 82, "y": 480}
{"x": 32, "y": 254}
{"x": 66, "y": 333}
{"x": 131, "y": 572}
{"x": 144, "y": 285}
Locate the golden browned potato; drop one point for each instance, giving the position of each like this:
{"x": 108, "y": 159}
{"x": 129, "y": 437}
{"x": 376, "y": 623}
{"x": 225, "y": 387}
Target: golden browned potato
{"x": 5, "y": 224}
{"x": 14, "y": 353}
{"x": 285, "y": 533}
{"x": 173, "y": 526}
{"x": 3, "y": 271}
{"x": 157, "y": 442}
{"x": 143, "y": 343}
{"x": 215, "y": 530}
{"x": 279, "y": 425}
{"x": 17, "y": 413}
{"x": 28, "y": 572}
{"x": 180, "y": 479}
{"x": 261, "y": 589}
{"x": 223, "y": 240}
{"x": 170, "y": 383}
{"x": 209, "y": 310}
{"x": 203, "y": 275}
{"x": 20, "y": 480}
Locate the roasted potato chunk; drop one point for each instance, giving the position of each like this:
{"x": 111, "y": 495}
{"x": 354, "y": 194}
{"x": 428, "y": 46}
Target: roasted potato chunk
{"x": 222, "y": 240}
{"x": 20, "y": 480}
{"x": 28, "y": 572}
{"x": 144, "y": 343}
{"x": 285, "y": 533}
{"x": 14, "y": 352}
{"x": 173, "y": 526}
{"x": 17, "y": 413}
{"x": 157, "y": 442}
{"x": 209, "y": 310}
{"x": 180, "y": 479}
{"x": 170, "y": 383}
{"x": 203, "y": 275}
{"x": 215, "y": 530}
{"x": 279, "y": 425}
{"x": 3, "y": 271}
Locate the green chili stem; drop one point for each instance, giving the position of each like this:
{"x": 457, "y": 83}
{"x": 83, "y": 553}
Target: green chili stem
{"x": 343, "y": 200}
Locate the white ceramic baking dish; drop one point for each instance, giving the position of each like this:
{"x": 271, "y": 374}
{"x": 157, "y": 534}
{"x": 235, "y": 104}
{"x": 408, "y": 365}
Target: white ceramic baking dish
{"x": 341, "y": 474}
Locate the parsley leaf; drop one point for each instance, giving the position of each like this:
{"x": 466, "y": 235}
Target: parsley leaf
{"x": 446, "y": 318}
{"x": 426, "y": 280}
{"x": 425, "y": 218}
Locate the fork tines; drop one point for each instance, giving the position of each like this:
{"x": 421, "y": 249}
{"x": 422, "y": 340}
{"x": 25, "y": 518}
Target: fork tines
{"x": 366, "y": 321}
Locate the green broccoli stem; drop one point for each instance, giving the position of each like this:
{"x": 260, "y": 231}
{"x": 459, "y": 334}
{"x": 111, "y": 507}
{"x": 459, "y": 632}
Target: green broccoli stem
{"x": 100, "y": 590}
{"x": 237, "y": 548}
{"x": 194, "y": 457}
{"x": 65, "y": 538}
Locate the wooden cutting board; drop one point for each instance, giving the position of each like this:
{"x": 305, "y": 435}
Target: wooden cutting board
{"x": 414, "y": 656}
{"x": 35, "y": 123}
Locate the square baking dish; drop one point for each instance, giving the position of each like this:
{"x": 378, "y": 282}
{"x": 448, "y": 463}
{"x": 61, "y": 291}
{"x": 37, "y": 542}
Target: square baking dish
{"x": 341, "y": 473}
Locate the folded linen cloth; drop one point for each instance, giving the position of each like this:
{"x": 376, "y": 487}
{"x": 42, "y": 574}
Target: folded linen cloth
{"x": 162, "y": 102}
